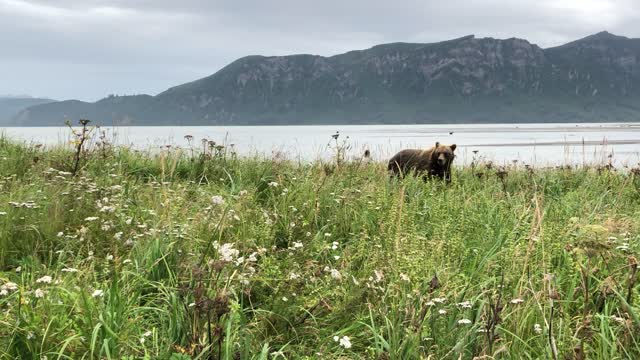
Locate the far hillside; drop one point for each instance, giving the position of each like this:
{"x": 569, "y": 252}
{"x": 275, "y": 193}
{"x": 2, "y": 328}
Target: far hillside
{"x": 465, "y": 80}
{"x": 11, "y": 106}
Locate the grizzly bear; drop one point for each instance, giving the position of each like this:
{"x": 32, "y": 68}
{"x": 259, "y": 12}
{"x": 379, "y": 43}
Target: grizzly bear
{"x": 434, "y": 162}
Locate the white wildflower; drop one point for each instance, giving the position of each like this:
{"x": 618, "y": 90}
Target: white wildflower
{"x": 242, "y": 192}
{"x": 378, "y": 276}
{"x": 118, "y": 235}
{"x": 344, "y": 341}
{"x": 465, "y": 305}
{"x": 623, "y": 247}
{"x": 618, "y": 319}
{"x": 327, "y": 234}
{"x": 91, "y": 218}
{"x": 442, "y": 312}
{"x": 39, "y": 293}
{"x": 69, "y": 270}
{"x": 464, "y": 322}
{"x": 128, "y": 221}
{"x": 336, "y": 274}
{"x": 45, "y": 279}
{"x": 440, "y": 300}
{"x": 18, "y": 269}
{"x": 10, "y": 286}
{"x": 284, "y": 298}
{"x": 404, "y": 277}
{"x": 273, "y": 184}
{"x": 60, "y": 234}
{"x": 517, "y": 301}
{"x": 334, "y": 245}
{"x": 97, "y": 293}
{"x": 227, "y": 252}
{"x": 537, "y": 328}
{"x": 293, "y": 276}
{"x": 217, "y": 200}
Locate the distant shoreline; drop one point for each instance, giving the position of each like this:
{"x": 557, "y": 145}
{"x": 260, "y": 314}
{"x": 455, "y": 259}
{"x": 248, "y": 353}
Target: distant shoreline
{"x": 502, "y": 126}
{"x": 559, "y": 143}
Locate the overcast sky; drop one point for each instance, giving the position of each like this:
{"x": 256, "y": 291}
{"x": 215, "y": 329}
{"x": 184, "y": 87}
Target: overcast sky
{"x": 87, "y": 49}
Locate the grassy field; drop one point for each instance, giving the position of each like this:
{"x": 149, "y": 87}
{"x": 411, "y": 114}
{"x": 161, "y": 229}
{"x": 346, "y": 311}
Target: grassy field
{"x": 182, "y": 255}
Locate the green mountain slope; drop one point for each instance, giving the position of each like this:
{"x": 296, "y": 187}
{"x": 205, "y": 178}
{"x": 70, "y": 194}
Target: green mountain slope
{"x": 462, "y": 80}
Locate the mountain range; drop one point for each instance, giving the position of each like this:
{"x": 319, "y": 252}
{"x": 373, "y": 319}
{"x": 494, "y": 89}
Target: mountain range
{"x": 465, "y": 80}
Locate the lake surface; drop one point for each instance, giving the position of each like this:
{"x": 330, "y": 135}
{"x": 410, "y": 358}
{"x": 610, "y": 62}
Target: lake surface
{"x": 537, "y": 144}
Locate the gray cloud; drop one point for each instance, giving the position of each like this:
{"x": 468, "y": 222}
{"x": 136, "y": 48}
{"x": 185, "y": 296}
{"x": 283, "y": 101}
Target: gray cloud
{"x": 87, "y": 49}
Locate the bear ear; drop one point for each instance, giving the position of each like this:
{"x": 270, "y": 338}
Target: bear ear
{"x": 453, "y": 147}
{"x": 437, "y": 143}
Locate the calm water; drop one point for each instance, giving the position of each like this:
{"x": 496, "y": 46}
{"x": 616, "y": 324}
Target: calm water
{"x": 540, "y": 144}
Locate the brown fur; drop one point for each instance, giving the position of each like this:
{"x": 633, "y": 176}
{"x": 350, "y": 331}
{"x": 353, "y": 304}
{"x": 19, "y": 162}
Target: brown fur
{"x": 434, "y": 162}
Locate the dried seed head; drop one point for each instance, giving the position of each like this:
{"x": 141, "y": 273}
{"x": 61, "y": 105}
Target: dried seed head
{"x": 217, "y": 265}
{"x": 221, "y": 304}
{"x": 434, "y": 283}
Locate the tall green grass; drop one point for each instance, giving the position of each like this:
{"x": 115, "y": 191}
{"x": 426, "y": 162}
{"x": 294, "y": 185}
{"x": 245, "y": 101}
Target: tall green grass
{"x": 180, "y": 256}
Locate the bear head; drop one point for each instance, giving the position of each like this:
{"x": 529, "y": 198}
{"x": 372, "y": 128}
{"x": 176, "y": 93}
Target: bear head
{"x": 443, "y": 154}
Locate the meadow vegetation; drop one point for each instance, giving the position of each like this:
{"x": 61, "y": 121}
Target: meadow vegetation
{"x": 110, "y": 253}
